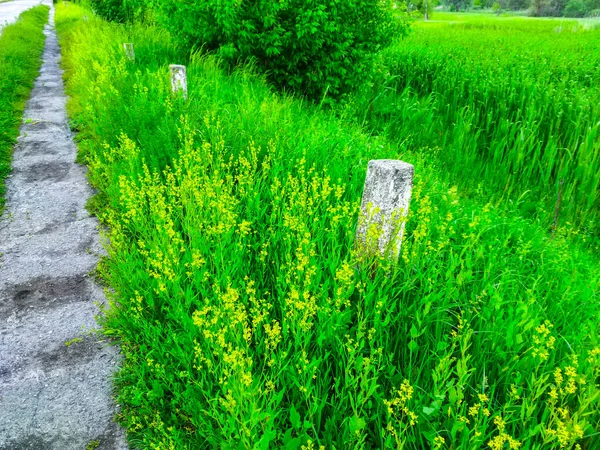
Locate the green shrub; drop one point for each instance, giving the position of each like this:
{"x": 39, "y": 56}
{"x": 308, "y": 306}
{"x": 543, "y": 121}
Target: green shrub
{"x": 315, "y": 47}
{"x": 575, "y": 8}
{"x": 121, "y": 11}
{"x": 112, "y": 10}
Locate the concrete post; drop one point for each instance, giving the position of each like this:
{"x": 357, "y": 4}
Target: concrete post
{"x": 384, "y": 207}
{"x": 129, "y": 51}
{"x": 178, "y": 79}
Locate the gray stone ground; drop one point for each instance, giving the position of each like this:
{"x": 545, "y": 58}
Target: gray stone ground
{"x": 11, "y": 10}
{"x": 52, "y": 396}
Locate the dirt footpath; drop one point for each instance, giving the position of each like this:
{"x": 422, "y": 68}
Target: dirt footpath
{"x": 53, "y": 396}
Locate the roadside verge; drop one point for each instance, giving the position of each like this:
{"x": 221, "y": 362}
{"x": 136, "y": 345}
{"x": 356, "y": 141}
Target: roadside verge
{"x": 22, "y": 41}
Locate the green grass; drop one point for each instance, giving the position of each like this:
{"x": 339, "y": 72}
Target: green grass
{"x": 21, "y": 46}
{"x": 511, "y": 104}
{"x": 236, "y": 299}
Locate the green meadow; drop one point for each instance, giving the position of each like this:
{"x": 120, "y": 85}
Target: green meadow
{"x": 509, "y": 104}
{"x": 245, "y": 316}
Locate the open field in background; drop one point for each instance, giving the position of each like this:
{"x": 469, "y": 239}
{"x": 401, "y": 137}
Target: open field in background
{"x": 512, "y": 18}
{"x": 511, "y": 106}
{"x": 231, "y": 216}
{"x": 21, "y": 46}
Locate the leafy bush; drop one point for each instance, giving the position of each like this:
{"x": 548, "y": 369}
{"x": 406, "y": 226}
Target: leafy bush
{"x": 575, "y": 8}
{"x": 518, "y": 5}
{"x": 112, "y": 10}
{"x": 458, "y": 5}
{"x": 315, "y": 47}
{"x": 120, "y": 10}
{"x": 582, "y": 8}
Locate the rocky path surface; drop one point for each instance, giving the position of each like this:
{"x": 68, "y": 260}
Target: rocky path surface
{"x": 9, "y": 11}
{"x": 53, "y": 396}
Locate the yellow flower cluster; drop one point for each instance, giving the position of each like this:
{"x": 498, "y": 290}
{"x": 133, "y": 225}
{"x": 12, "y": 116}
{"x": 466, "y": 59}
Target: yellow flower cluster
{"x": 480, "y": 407}
{"x": 497, "y": 442}
{"x": 567, "y": 429}
{"x": 225, "y": 326}
{"x": 399, "y": 414}
{"x": 344, "y": 277}
{"x": 564, "y": 426}
{"x": 543, "y": 340}
{"x": 424, "y": 214}
{"x": 594, "y": 359}
{"x": 310, "y": 445}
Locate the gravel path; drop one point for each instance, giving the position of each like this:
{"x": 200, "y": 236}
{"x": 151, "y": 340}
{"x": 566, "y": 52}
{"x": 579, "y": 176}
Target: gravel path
{"x": 11, "y": 10}
{"x": 52, "y": 396}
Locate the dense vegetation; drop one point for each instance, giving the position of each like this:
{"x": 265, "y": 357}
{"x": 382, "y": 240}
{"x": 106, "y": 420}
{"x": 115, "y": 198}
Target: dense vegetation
{"x": 21, "y": 46}
{"x": 321, "y": 49}
{"x": 244, "y": 317}
{"x": 514, "y": 103}
{"x": 318, "y": 48}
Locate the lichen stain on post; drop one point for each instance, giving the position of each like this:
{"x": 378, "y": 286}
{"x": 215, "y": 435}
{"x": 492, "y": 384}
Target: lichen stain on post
{"x": 129, "y": 51}
{"x": 384, "y": 207}
{"x": 178, "y": 79}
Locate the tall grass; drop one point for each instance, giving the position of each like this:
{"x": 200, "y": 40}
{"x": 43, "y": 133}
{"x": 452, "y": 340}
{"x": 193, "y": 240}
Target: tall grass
{"x": 512, "y": 103}
{"x": 237, "y": 300}
{"x": 21, "y": 46}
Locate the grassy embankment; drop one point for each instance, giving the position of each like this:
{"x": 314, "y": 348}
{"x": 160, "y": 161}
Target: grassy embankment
{"x": 509, "y": 105}
{"x": 242, "y": 320}
{"x": 21, "y": 46}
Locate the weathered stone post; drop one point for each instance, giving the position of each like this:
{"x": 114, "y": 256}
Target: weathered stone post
{"x": 129, "y": 51}
{"x": 385, "y": 201}
{"x": 178, "y": 79}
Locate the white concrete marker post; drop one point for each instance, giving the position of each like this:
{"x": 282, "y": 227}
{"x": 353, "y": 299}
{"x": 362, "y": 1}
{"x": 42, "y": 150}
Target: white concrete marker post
{"x": 129, "y": 51}
{"x": 384, "y": 207}
{"x": 178, "y": 79}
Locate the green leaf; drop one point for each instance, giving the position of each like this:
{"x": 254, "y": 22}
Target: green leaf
{"x": 294, "y": 417}
{"x": 414, "y": 333}
{"x": 428, "y": 411}
{"x": 452, "y": 395}
{"x": 293, "y": 444}
{"x": 269, "y": 435}
{"x": 357, "y": 423}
